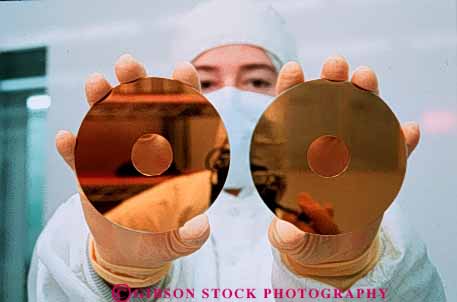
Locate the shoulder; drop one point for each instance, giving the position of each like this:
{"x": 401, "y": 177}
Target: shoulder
{"x": 57, "y": 268}
{"x": 63, "y": 239}
{"x": 67, "y": 222}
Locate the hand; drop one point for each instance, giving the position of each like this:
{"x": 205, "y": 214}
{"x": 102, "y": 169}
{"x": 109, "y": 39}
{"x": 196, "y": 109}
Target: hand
{"x": 305, "y": 247}
{"x": 160, "y": 250}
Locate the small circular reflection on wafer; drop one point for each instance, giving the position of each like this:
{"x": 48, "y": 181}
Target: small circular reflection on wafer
{"x": 151, "y": 154}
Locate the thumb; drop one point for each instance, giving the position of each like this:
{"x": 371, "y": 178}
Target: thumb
{"x": 285, "y": 237}
{"x": 309, "y": 249}
{"x": 65, "y": 144}
{"x": 412, "y": 135}
{"x": 301, "y": 247}
{"x": 191, "y": 236}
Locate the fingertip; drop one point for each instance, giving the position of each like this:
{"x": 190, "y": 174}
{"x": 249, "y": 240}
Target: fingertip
{"x": 292, "y": 68}
{"x": 290, "y": 75}
{"x": 186, "y": 73}
{"x": 285, "y": 236}
{"x": 185, "y": 65}
{"x": 128, "y": 69}
{"x": 126, "y": 57}
{"x": 287, "y": 232}
{"x": 64, "y": 137}
{"x": 97, "y": 87}
{"x": 335, "y": 68}
{"x": 195, "y": 231}
{"x": 61, "y": 133}
{"x": 365, "y": 78}
{"x": 411, "y": 131}
{"x": 413, "y": 126}
{"x": 65, "y": 143}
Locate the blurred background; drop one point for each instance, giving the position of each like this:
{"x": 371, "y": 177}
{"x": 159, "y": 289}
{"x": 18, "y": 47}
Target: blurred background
{"x": 48, "y": 48}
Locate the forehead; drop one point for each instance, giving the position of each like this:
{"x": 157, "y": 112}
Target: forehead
{"x": 233, "y": 55}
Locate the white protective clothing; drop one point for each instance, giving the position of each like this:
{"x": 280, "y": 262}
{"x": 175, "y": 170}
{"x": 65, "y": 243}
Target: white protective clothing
{"x": 237, "y": 255}
{"x": 217, "y": 23}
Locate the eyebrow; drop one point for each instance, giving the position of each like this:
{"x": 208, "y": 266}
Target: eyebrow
{"x": 245, "y": 67}
{"x": 206, "y": 68}
{"x": 249, "y": 67}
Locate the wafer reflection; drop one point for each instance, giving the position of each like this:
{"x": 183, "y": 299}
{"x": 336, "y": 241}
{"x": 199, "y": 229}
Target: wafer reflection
{"x": 332, "y": 157}
{"x": 138, "y": 148}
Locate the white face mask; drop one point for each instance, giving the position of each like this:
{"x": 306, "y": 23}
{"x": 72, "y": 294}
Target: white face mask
{"x": 240, "y": 112}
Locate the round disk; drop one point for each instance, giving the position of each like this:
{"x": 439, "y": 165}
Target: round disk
{"x": 141, "y": 151}
{"x": 339, "y": 156}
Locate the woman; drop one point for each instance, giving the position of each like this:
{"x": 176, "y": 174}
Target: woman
{"x": 236, "y": 48}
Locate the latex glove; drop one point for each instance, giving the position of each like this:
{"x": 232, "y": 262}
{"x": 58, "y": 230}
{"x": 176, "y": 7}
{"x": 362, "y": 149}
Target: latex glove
{"x": 155, "y": 256}
{"x": 301, "y": 249}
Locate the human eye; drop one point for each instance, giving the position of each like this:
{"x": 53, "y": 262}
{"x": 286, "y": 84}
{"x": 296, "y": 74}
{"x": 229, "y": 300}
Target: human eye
{"x": 207, "y": 84}
{"x": 259, "y": 83}
{"x": 258, "y": 80}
